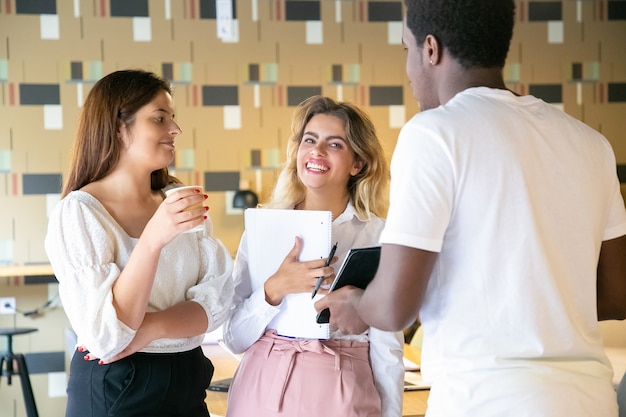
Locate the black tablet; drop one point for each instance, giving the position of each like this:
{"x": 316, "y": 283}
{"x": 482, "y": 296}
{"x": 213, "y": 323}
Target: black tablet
{"x": 358, "y": 270}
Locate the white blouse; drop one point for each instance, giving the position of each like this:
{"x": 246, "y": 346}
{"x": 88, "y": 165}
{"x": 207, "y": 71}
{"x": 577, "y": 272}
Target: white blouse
{"x": 251, "y": 314}
{"x": 88, "y": 249}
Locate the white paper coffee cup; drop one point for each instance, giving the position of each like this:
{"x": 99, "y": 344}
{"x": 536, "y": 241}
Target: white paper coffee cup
{"x": 198, "y": 228}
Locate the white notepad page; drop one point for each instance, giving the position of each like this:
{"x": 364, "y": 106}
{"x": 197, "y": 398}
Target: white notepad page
{"x": 270, "y": 235}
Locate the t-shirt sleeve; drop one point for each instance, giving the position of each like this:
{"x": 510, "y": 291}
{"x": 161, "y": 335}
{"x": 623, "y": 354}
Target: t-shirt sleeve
{"x": 422, "y": 191}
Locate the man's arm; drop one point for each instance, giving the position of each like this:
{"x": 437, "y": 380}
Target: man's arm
{"x": 611, "y": 280}
{"x": 391, "y": 301}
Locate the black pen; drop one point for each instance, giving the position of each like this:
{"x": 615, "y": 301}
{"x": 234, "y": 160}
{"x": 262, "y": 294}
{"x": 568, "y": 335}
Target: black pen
{"x": 328, "y": 261}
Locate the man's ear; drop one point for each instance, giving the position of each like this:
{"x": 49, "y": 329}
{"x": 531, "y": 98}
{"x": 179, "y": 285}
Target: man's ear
{"x": 431, "y": 50}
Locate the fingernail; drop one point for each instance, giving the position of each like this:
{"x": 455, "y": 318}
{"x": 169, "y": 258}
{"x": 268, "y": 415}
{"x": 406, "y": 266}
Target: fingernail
{"x": 80, "y": 349}
{"x": 205, "y": 196}
{"x": 100, "y": 362}
{"x": 206, "y": 208}
{"x": 196, "y": 191}
{"x": 86, "y": 357}
{"x": 204, "y": 217}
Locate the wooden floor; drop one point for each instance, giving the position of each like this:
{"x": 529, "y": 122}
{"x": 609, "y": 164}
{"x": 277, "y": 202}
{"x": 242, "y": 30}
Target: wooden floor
{"x": 225, "y": 365}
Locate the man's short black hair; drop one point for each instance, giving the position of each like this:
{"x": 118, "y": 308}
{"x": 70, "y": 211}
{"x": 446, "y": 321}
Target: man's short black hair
{"x": 476, "y": 32}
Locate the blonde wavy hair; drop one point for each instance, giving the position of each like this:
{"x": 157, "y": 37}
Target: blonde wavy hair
{"x": 368, "y": 189}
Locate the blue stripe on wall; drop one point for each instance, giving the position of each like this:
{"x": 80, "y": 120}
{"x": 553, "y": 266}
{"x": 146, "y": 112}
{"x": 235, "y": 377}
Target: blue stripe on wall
{"x": 39, "y": 94}
{"x": 41, "y": 184}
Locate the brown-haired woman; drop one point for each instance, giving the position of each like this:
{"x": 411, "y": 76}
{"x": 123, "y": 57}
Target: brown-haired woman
{"x": 138, "y": 291}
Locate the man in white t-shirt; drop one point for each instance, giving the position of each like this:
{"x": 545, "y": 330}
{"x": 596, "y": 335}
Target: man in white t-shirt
{"x": 506, "y": 231}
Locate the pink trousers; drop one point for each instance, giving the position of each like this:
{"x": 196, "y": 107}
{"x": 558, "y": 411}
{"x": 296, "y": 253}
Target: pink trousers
{"x": 281, "y": 376}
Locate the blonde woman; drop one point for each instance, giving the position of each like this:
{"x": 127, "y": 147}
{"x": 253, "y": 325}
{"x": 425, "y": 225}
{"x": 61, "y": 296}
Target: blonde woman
{"x": 335, "y": 162}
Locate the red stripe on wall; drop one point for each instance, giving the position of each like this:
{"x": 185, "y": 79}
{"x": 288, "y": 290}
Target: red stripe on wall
{"x": 198, "y": 178}
{"x": 14, "y": 183}
{"x": 103, "y": 9}
{"x": 361, "y": 11}
{"x": 11, "y": 94}
{"x": 601, "y": 10}
{"x": 194, "y": 95}
{"x": 522, "y": 12}
{"x": 600, "y": 93}
{"x": 279, "y": 95}
{"x": 279, "y": 15}
{"x": 7, "y": 6}
{"x": 192, "y": 9}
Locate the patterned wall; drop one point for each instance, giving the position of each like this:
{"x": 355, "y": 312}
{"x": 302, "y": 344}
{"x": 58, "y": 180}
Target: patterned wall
{"x": 238, "y": 70}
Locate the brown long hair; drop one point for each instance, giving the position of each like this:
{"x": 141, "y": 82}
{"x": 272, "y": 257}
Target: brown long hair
{"x": 368, "y": 189}
{"x": 113, "y": 101}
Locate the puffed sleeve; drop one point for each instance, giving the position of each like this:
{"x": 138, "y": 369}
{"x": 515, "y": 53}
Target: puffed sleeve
{"x": 81, "y": 250}
{"x": 386, "y": 353}
{"x": 214, "y": 291}
{"x": 250, "y": 313}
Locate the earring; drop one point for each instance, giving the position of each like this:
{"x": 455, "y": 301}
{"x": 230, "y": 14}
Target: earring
{"x": 431, "y": 62}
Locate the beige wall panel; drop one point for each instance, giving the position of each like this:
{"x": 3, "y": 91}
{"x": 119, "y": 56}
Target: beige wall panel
{"x": 540, "y": 73}
{"x": 515, "y": 52}
{"x": 193, "y": 121}
{"x": 613, "y": 122}
{"x": 227, "y": 72}
{"x": 372, "y": 35}
{"x": 19, "y": 26}
{"x": 334, "y": 34}
{"x": 251, "y": 115}
{"x": 31, "y": 223}
{"x": 182, "y": 94}
{"x": 143, "y": 55}
{"x": 616, "y": 71}
{"x": 592, "y": 114}
{"x": 280, "y": 118}
{"x": 27, "y": 132}
{"x": 5, "y": 184}
{"x": 326, "y": 54}
{"x": 48, "y": 50}
{"x": 104, "y": 29}
{"x": 188, "y": 30}
{"x": 6, "y": 220}
{"x": 303, "y": 73}
{"x": 386, "y": 68}
{"x": 279, "y": 32}
{"x": 41, "y": 160}
{"x": 223, "y": 154}
{"x": 8, "y": 118}
{"x": 226, "y": 227}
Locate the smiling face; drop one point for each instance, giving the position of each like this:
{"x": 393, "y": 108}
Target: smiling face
{"x": 149, "y": 140}
{"x": 325, "y": 159}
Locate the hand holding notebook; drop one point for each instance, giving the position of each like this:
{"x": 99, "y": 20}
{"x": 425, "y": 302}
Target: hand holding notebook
{"x": 358, "y": 270}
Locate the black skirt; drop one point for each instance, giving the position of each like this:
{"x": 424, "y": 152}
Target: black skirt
{"x": 142, "y": 384}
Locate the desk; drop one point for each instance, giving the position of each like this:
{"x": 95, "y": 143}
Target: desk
{"x": 225, "y": 365}
{"x": 25, "y": 270}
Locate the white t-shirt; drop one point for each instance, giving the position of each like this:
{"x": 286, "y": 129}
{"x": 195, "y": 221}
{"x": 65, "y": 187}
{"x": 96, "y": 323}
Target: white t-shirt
{"x": 517, "y": 197}
{"x": 252, "y": 314}
{"x": 88, "y": 249}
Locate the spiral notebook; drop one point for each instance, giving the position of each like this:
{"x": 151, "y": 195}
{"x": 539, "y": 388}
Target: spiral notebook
{"x": 270, "y": 235}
